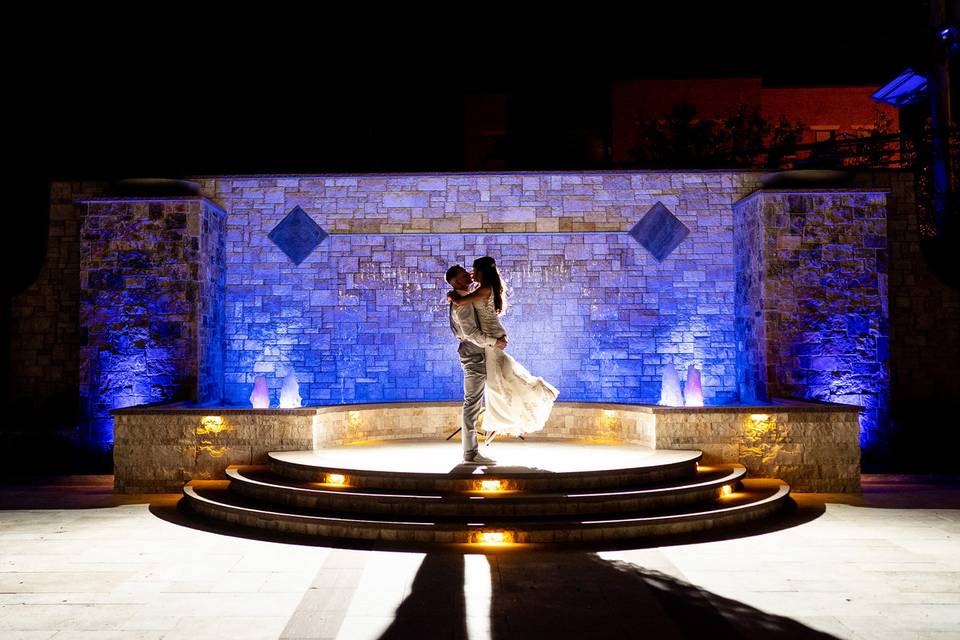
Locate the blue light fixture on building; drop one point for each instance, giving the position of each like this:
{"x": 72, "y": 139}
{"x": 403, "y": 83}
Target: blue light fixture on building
{"x": 907, "y": 88}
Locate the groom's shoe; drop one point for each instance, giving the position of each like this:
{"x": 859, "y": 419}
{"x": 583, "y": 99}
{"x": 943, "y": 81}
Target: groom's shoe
{"x": 478, "y": 459}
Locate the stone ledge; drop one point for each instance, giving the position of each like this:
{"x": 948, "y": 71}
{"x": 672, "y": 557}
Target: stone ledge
{"x": 809, "y": 445}
{"x": 198, "y": 198}
{"x": 810, "y": 191}
{"x": 778, "y": 405}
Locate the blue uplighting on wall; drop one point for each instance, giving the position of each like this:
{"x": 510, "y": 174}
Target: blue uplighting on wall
{"x": 151, "y": 309}
{"x": 136, "y": 364}
{"x": 811, "y": 312}
{"x": 371, "y": 322}
{"x": 363, "y": 317}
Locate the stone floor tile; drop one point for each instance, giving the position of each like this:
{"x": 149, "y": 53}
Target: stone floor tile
{"x": 235, "y": 628}
{"x": 365, "y": 627}
{"x": 28, "y": 635}
{"x": 285, "y": 582}
{"x": 854, "y": 571}
{"x": 240, "y": 582}
{"x": 57, "y": 581}
{"x": 108, "y": 617}
{"x": 99, "y": 634}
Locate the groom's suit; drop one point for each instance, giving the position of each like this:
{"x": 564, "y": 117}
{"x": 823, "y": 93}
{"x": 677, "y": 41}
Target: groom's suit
{"x": 465, "y": 324}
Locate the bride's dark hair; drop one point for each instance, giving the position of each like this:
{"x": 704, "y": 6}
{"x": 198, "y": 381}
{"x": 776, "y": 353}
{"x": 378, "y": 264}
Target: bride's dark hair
{"x": 490, "y": 276}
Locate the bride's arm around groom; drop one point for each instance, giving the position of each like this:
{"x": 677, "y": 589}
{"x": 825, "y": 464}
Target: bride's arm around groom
{"x": 471, "y": 330}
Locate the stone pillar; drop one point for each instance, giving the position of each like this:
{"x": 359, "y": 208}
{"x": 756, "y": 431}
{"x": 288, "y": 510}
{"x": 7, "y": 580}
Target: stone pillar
{"x": 811, "y": 299}
{"x": 151, "y": 312}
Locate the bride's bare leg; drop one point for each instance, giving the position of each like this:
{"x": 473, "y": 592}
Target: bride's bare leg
{"x": 489, "y": 437}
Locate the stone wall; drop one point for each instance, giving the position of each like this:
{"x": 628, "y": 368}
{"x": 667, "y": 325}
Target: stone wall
{"x": 46, "y": 358}
{"x": 211, "y": 280}
{"x": 750, "y": 327}
{"x": 811, "y": 447}
{"x": 924, "y": 341}
{"x": 364, "y": 318}
{"x": 149, "y": 274}
{"x": 45, "y": 336}
{"x": 163, "y": 450}
{"x": 813, "y": 268}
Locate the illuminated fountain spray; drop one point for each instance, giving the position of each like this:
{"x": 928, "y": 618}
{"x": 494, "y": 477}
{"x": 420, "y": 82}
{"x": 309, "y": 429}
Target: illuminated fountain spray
{"x": 290, "y": 392}
{"x": 260, "y": 398}
{"x": 693, "y": 391}
{"x": 670, "y": 395}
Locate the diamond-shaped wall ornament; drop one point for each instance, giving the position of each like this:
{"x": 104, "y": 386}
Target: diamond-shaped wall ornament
{"x": 659, "y": 231}
{"x": 297, "y": 235}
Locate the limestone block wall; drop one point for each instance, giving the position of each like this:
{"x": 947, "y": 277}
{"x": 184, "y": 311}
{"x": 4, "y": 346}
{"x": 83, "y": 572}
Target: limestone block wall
{"x": 211, "y": 283}
{"x": 337, "y": 425}
{"x": 364, "y": 318}
{"x": 750, "y": 320}
{"x": 162, "y": 450}
{"x": 812, "y": 447}
{"x": 551, "y": 220}
{"x": 924, "y": 341}
{"x": 150, "y": 311}
{"x": 45, "y": 336}
{"x": 812, "y": 318}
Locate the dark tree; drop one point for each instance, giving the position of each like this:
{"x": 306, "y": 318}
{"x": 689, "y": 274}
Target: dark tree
{"x": 681, "y": 139}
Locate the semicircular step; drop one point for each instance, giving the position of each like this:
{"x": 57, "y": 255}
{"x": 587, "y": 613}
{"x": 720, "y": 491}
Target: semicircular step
{"x": 309, "y": 467}
{"x": 755, "y": 500}
{"x": 259, "y": 483}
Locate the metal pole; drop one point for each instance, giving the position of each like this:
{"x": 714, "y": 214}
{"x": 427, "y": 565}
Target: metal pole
{"x": 939, "y": 86}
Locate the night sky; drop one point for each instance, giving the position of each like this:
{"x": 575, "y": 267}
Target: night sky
{"x": 332, "y": 93}
{"x": 177, "y": 95}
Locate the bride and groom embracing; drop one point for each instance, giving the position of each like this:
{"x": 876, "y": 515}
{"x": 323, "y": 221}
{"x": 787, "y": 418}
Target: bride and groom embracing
{"x": 516, "y": 402}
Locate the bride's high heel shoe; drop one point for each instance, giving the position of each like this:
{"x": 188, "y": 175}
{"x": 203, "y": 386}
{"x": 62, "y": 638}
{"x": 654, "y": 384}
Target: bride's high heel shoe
{"x": 488, "y": 438}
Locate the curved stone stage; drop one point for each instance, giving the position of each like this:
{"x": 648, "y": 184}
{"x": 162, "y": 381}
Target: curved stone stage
{"x": 541, "y": 491}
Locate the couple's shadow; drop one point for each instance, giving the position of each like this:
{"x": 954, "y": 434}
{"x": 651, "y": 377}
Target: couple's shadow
{"x": 571, "y": 595}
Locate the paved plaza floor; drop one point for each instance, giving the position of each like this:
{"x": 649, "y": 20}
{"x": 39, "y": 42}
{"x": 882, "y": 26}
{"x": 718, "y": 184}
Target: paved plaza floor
{"x": 77, "y": 561}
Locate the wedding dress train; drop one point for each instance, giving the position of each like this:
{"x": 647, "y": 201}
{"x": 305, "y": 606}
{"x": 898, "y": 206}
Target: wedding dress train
{"x": 517, "y": 402}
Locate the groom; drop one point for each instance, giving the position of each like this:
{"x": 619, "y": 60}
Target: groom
{"x": 465, "y": 324}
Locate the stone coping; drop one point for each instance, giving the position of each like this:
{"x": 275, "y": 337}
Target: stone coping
{"x": 411, "y": 174}
{"x": 777, "y": 405}
{"x": 556, "y": 172}
{"x": 806, "y": 192}
{"x": 197, "y": 198}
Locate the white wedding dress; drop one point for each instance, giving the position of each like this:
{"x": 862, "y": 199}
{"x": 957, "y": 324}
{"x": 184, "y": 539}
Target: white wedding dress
{"x": 516, "y": 401}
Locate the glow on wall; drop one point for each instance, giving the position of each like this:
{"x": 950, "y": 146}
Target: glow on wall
{"x": 367, "y": 317}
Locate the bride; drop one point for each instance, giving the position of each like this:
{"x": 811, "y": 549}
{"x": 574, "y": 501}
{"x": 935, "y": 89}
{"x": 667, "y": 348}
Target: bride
{"x": 516, "y": 401}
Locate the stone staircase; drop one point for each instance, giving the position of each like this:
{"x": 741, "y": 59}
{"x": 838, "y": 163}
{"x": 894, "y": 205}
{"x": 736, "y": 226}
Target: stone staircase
{"x": 488, "y": 505}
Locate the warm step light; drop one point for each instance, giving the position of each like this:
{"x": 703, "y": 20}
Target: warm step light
{"x": 335, "y": 478}
{"x": 494, "y": 538}
{"x": 726, "y": 491}
{"x": 491, "y": 485}
{"x": 212, "y": 424}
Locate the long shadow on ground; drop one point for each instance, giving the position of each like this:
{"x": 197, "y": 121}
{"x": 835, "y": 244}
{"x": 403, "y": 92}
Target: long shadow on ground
{"x": 578, "y": 595}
